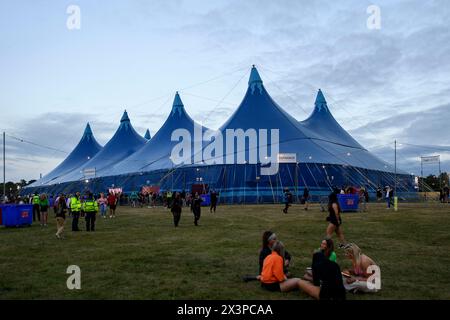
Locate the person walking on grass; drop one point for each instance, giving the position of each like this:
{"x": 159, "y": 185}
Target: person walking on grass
{"x": 112, "y": 203}
{"x": 103, "y": 205}
{"x": 90, "y": 207}
{"x": 213, "y": 198}
{"x": 287, "y": 200}
{"x": 43, "y": 207}
{"x": 177, "y": 204}
{"x": 61, "y": 208}
{"x": 196, "y": 207}
{"x": 334, "y": 218}
{"x": 388, "y": 197}
{"x": 305, "y": 198}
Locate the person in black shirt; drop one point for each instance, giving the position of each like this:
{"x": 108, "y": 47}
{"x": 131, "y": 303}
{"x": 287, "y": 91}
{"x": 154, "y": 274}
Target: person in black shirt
{"x": 177, "y": 203}
{"x": 196, "y": 207}
{"x": 305, "y": 197}
{"x": 327, "y": 279}
{"x": 334, "y": 218}
{"x": 287, "y": 200}
{"x": 213, "y": 198}
{"x": 379, "y": 194}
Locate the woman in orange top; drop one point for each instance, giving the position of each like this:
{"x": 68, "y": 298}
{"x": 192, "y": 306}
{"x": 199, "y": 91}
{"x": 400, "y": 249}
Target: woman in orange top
{"x": 272, "y": 276}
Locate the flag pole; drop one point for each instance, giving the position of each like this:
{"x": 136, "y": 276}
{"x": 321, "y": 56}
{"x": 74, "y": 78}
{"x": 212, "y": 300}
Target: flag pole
{"x": 4, "y": 167}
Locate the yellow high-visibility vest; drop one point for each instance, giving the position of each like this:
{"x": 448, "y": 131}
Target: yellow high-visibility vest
{"x": 36, "y": 200}
{"x": 90, "y": 206}
{"x": 75, "y": 204}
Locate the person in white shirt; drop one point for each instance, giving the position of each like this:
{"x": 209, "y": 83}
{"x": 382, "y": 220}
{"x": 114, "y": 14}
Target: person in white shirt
{"x": 388, "y": 197}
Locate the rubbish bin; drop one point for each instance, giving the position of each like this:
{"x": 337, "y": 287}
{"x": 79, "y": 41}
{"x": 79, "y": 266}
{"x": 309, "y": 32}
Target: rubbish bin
{"x": 16, "y": 215}
{"x": 348, "y": 202}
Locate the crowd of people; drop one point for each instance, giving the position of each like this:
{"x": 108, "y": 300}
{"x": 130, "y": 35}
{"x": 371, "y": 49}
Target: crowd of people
{"x": 86, "y": 206}
{"x": 75, "y": 206}
{"x": 323, "y": 279}
{"x": 178, "y": 200}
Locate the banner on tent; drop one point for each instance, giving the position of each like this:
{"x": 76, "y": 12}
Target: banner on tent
{"x": 89, "y": 172}
{"x": 287, "y": 158}
{"x": 115, "y": 191}
{"x": 430, "y": 159}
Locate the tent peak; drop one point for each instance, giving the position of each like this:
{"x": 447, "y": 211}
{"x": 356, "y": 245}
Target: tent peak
{"x": 321, "y": 103}
{"x": 255, "y": 80}
{"x": 125, "y": 117}
{"x": 87, "y": 130}
{"x": 147, "y": 135}
{"x": 177, "y": 105}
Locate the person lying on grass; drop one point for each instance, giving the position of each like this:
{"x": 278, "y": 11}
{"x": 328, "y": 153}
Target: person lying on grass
{"x": 327, "y": 281}
{"x": 272, "y": 277}
{"x": 362, "y": 268}
{"x": 326, "y": 244}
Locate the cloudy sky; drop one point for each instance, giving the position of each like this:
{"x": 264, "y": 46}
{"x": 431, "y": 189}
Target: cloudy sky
{"x": 381, "y": 84}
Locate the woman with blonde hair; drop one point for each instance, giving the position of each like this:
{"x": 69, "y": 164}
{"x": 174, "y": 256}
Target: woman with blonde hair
{"x": 358, "y": 275}
{"x": 272, "y": 276}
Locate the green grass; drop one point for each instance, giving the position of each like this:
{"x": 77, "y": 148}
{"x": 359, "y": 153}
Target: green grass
{"x": 140, "y": 255}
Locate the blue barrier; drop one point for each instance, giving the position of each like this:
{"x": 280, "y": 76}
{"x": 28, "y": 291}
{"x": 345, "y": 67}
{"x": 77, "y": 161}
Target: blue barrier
{"x": 206, "y": 199}
{"x": 348, "y": 202}
{"x": 16, "y": 215}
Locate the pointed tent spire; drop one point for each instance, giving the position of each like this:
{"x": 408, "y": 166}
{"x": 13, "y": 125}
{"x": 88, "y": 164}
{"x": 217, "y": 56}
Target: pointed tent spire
{"x": 177, "y": 104}
{"x": 88, "y": 130}
{"x": 125, "y": 117}
{"x": 321, "y": 103}
{"x": 147, "y": 135}
{"x": 255, "y": 80}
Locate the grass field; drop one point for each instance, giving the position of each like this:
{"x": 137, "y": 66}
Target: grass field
{"x": 140, "y": 255}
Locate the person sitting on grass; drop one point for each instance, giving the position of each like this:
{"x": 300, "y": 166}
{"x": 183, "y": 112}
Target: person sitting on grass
{"x": 357, "y": 276}
{"x": 326, "y": 245}
{"x": 268, "y": 239}
{"x": 327, "y": 281}
{"x": 272, "y": 277}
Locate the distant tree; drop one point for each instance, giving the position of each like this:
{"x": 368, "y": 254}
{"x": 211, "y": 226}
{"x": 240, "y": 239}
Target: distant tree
{"x": 433, "y": 182}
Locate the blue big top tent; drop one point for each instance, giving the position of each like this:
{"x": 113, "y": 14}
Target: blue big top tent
{"x": 322, "y": 154}
{"x": 125, "y": 142}
{"x": 86, "y": 149}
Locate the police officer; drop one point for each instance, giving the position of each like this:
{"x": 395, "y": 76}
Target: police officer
{"x": 36, "y": 201}
{"x": 75, "y": 208}
{"x": 90, "y": 207}
{"x": 169, "y": 199}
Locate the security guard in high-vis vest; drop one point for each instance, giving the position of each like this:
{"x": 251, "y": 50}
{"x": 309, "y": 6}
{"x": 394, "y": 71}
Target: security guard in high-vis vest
{"x": 90, "y": 207}
{"x": 36, "y": 202}
{"x": 169, "y": 199}
{"x": 75, "y": 208}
